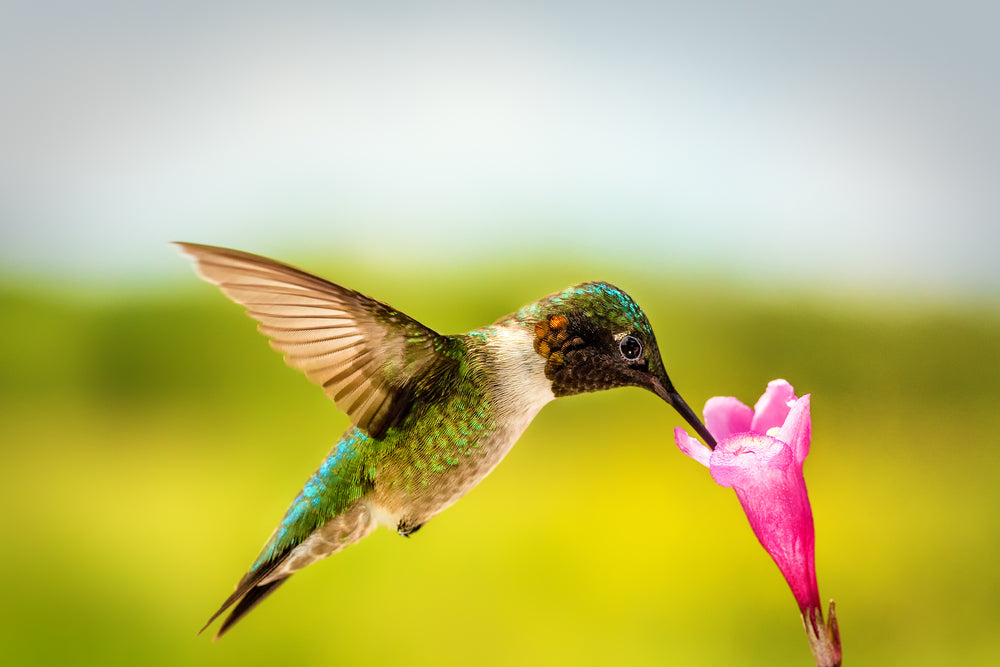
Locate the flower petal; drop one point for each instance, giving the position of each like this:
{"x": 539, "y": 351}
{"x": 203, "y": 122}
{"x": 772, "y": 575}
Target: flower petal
{"x": 797, "y": 429}
{"x": 693, "y": 448}
{"x": 749, "y": 460}
{"x": 769, "y": 484}
{"x": 772, "y": 408}
{"x": 725, "y": 415}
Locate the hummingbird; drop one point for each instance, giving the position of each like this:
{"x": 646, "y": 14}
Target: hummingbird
{"x": 432, "y": 415}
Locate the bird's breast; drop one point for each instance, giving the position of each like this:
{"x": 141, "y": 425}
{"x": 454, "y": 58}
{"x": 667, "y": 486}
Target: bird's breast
{"x": 455, "y": 443}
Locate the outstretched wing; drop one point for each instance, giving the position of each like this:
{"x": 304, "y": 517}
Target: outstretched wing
{"x": 365, "y": 355}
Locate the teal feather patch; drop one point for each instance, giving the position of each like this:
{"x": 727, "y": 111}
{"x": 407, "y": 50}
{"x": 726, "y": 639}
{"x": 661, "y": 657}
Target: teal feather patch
{"x": 340, "y": 480}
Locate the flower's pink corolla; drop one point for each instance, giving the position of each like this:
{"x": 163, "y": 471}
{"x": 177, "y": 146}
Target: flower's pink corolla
{"x": 760, "y": 454}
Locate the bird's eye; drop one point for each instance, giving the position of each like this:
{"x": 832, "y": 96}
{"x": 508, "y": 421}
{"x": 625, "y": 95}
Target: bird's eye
{"x": 631, "y": 348}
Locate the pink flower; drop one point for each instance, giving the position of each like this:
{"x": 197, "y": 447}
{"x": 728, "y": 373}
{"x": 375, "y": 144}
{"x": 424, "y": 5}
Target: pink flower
{"x": 760, "y": 454}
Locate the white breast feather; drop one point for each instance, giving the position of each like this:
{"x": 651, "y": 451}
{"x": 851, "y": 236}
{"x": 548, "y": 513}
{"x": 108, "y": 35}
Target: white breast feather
{"x": 522, "y": 389}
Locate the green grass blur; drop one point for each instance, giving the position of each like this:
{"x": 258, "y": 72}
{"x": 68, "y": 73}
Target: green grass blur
{"x": 152, "y": 440}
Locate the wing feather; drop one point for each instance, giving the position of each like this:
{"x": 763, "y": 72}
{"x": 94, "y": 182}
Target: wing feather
{"x": 364, "y": 354}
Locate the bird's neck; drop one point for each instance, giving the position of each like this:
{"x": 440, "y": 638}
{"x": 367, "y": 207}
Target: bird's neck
{"x": 515, "y": 372}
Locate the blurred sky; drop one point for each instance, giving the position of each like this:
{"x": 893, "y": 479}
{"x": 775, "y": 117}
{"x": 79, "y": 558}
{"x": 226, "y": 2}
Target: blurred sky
{"x": 853, "y": 143}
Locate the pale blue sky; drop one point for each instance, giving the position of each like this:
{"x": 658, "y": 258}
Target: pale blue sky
{"x": 854, "y": 143}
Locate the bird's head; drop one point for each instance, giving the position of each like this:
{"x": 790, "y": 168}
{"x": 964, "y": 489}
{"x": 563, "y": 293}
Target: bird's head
{"x": 594, "y": 336}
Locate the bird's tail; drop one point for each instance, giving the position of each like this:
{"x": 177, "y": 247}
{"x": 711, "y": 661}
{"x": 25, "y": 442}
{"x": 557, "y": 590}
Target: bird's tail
{"x": 248, "y": 599}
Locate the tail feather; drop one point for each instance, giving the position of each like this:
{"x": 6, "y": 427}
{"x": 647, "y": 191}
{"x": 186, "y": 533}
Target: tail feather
{"x": 249, "y": 589}
{"x": 225, "y": 605}
{"x": 253, "y": 597}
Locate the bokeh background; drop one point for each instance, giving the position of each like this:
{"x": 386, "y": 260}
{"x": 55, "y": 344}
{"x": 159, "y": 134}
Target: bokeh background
{"x": 789, "y": 191}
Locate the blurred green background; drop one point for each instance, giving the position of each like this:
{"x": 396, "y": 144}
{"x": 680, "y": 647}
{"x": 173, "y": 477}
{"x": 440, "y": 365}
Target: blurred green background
{"x": 151, "y": 441}
{"x": 796, "y": 190}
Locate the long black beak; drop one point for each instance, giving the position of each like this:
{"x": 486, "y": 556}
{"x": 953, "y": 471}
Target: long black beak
{"x": 670, "y": 395}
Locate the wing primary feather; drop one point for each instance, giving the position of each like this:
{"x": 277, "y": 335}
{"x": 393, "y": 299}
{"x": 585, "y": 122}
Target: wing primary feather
{"x": 282, "y": 289}
{"x": 357, "y": 364}
{"x": 355, "y": 382}
{"x": 361, "y": 351}
{"x": 274, "y": 332}
{"x": 314, "y": 351}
